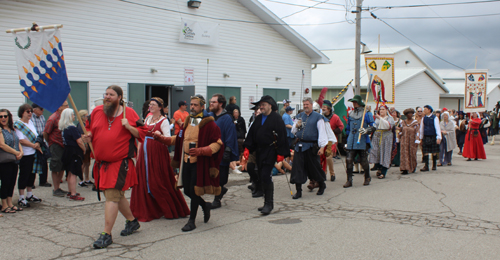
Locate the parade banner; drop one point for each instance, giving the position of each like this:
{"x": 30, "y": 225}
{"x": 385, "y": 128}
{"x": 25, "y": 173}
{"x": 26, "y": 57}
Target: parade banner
{"x": 41, "y": 68}
{"x": 199, "y": 32}
{"x": 382, "y": 68}
{"x": 475, "y": 90}
{"x": 342, "y": 106}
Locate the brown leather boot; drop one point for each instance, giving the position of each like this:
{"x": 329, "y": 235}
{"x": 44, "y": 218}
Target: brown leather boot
{"x": 367, "y": 181}
{"x": 348, "y": 183}
{"x": 312, "y": 185}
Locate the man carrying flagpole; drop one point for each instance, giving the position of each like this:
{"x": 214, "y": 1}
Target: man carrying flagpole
{"x": 114, "y": 169}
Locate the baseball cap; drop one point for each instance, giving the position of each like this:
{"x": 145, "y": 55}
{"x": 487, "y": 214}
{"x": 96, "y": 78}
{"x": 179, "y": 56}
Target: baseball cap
{"x": 289, "y": 109}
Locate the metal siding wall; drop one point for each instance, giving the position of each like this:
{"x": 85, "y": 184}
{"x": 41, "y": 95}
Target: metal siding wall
{"x": 104, "y": 46}
{"x": 418, "y": 91}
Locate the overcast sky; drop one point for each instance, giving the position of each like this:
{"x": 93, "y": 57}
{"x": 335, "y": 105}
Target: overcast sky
{"x": 456, "y": 40}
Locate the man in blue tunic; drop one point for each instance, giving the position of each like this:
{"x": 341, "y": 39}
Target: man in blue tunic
{"x": 312, "y": 139}
{"x": 357, "y": 145}
{"x": 229, "y": 137}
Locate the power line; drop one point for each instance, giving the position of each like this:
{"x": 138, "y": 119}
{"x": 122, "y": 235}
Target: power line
{"x": 226, "y": 19}
{"x": 374, "y": 16}
{"x": 465, "y": 36}
{"x": 439, "y": 17}
{"x": 308, "y": 6}
{"x": 442, "y": 4}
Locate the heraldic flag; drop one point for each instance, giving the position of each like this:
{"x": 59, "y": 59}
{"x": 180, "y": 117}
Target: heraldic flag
{"x": 41, "y": 67}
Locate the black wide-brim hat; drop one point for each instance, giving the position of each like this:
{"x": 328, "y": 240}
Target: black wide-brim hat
{"x": 270, "y": 100}
{"x": 357, "y": 99}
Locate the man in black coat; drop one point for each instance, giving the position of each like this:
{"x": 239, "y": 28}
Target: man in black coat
{"x": 267, "y": 137}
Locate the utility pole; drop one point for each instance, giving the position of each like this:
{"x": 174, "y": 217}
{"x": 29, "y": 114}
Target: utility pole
{"x": 357, "y": 88}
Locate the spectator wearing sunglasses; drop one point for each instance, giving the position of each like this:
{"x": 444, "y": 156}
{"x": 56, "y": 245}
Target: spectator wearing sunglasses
{"x": 9, "y": 143}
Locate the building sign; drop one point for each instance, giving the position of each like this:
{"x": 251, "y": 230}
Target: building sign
{"x": 382, "y": 85}
{"x": 199, "y": 32}
{"x": 189, "y": 76}
{"x": 475, "y": 90}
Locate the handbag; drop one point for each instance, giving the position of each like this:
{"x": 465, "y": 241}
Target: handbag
{"x": 6, "y": 157}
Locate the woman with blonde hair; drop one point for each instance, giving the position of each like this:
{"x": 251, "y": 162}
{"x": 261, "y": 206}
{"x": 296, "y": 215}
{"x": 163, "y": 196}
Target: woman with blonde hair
{"x": 74, "y": 148}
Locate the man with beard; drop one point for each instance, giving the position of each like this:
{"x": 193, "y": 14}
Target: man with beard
{"x": 113, "y": 137}
{"x": 358, "y": 144}
{"x": 312, "y": 139}
{"x": 197, "y": 152}
{"x": 267, "y": 137}
{"x": 229, "y": 138}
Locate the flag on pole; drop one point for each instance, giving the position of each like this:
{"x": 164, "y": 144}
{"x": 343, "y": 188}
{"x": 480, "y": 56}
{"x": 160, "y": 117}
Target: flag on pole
{"x": 41, "y": 67}
{"x": 475, "y": 90}
{"x": 382, "y": 86}
{"x": 343, "y": 106}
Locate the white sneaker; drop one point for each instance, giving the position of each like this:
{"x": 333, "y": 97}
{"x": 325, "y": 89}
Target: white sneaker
{"x": 237, "y": 171}
{"x": 238, "y": 167}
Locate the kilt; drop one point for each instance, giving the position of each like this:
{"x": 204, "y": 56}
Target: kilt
{"x": 429, "y": 144}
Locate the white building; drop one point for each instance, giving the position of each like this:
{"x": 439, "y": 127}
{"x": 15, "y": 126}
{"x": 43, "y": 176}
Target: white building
{"x": 416, "y": 83}
{"x": 136, "y": 45}
{"x": 455, "y": 98}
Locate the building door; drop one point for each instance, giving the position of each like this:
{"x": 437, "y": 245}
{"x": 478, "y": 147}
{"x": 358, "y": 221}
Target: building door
{"x": 277, "y": 94}
{"x": 136, "y": 93}
{"x": 79, "y": 93}
{"x": 227, "y": 92}
{"x": 179, "y": 93}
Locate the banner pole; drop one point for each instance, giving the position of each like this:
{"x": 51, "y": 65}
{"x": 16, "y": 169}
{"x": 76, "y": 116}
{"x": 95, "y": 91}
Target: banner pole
{"x": 79, "y": 120}
{"x": 35, "y": 27}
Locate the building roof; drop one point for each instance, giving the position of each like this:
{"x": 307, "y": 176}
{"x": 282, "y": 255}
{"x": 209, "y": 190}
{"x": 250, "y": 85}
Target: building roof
{"x": 338, "y": 73}
{"x": 317, "y": 57}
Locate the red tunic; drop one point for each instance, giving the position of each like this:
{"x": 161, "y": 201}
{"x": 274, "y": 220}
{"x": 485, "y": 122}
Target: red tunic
{"x": 155, "y": 195}
{"x": 473, "y": 146}
{"x": 114, "y": 149}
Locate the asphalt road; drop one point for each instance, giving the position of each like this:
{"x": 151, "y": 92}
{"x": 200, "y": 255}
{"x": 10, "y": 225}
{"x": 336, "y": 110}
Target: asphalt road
{"x": 451, "y": 213}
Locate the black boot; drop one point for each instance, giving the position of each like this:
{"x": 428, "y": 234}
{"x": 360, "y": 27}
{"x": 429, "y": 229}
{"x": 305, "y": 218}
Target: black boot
{"x": 426, "y": 161}
{"x": 252, "y": 186}
{"x": 298, "y": 193}
{"x": 322, "y": 187}
{"x": 217, "y": 200}
{"x": 434, "y": 160}
{"x": 348, "y": 183}
{"x": 257, "y": 192}
{"x": 268, "y": 198}
{"x": 206, "y": 211}
{"x": 189, "y": 226}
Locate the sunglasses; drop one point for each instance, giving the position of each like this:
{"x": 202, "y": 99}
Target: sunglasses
{"x": 4, "y": 116}
{"x": 29, "y": 111}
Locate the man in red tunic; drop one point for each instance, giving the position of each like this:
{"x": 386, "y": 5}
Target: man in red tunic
{"x": 473, "y": 146}
{"x": 113, "y": 138}
{"x": 199, "y": 147}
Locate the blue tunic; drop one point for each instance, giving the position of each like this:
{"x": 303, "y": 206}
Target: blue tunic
{"x": 308, "y": 134}
{"x": 227, "y": 135}
{"x": 288, "y": 121}
{"x": 352, "y": 127}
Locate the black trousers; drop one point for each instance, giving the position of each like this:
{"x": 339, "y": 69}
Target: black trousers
{"x": 42, "y": 178}
{"x": 189, "y": 182}
{"x": 224, "y": 175}
{"x": 306, "y": 165}
{"x": 266, "y": 173}
{"x": 26, "y": 175}
{"x": 8, "y": 178}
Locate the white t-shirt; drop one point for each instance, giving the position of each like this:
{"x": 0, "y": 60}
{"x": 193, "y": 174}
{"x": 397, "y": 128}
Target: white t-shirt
{"x": 27, "y": 150}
